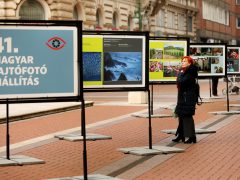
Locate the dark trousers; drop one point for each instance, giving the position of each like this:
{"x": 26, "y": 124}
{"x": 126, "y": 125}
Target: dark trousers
{"x": 214, "y": 86}
{"x": 186, "y": 127}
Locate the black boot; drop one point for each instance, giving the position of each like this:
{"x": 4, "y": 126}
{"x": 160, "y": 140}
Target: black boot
{"x": 191, "y": 140}
{"x": 179, "y": 138}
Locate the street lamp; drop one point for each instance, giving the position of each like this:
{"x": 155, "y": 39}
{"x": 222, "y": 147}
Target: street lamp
{"x": 137, "y": 15}
{"x": 140, "y": 16}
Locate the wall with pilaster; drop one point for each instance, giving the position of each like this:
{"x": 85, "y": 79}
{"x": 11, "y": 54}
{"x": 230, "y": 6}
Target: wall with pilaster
{"x": 63, "y": 10}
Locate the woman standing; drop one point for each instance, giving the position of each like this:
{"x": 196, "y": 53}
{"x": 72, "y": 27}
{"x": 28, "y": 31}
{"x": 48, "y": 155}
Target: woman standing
{"x": 186, "y": 102}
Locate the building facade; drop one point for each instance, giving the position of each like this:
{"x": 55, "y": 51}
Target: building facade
{"x": 204, "y": 21}
{"x": 95, "y": 14}
{"x": 218, "y": 21}
{"x": 200, "y": 20}
{"x": 175, "y": 18}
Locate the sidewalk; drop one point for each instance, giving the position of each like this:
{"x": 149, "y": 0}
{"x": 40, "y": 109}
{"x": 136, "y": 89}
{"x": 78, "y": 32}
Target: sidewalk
{"x": 30, "y": 110}
{"x": 215, "y": 156}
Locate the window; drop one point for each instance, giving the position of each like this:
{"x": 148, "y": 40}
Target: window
{"x": 98, "y": 18}
{"x": 191, "y": 3}
{"x": 215, "y": 13}
{"x": 115, "y": 20}
{"x": 129, "y": 28}
{"x": 189, "y": 23}
{"x": 170, "y": 19}
{"x": 237, "y": 2}
{"x": 160, "y": 18}
{"x": 226, "y": 17}
{"x": 32, "y": 10}
{"x": 75, "y": 13}
{"x": 180, "y": 1}
{"x": 238, "y": 22}
{"x": 181, "y": 22}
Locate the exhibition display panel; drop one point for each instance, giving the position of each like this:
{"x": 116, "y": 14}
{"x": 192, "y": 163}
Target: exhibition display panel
{"x": 210, "y": 58}
{"x": 165, "y": 56}
{"x": 114, "y": 60}
{"x": 233, "y": 66}
{"x": 39, "y": 61}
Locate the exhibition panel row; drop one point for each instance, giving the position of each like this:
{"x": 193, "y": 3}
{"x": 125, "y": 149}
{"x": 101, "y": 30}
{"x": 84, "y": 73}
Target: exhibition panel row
{"x": 164, "y": 60}
{"x": 61, "y": 61}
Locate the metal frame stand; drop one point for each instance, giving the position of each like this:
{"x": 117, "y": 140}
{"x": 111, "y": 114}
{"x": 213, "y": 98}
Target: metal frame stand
{"x": 16, "y": 159}
{"x": 150, "y": 150}
{"x": 151, "y": 109}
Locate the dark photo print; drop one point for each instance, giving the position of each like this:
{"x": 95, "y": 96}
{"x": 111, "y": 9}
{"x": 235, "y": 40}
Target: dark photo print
{"x": 233, "y": 65}
{"x": 122, "y": 67}
{"x": 233, "y": 54}
{"x": 217, "y": 51}
{"x": 173, "y": 52}
{"x": 155, "y": 66}
{"x": 210, "y": 59}
{"x": 206, "y": 51}
{"x": 233, "y": 60}
{"x": 171, "y": 69}
{"x": 217, "y": 69}
{"x": 195, "y": 51}
{"x": 204, "y": 64}
{"x": 91, "y": 66}
{"x": 156, "y": 54}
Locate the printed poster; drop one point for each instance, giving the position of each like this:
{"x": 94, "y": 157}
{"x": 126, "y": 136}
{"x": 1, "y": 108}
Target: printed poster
{"x": 112, "y": 61}
{"x": 38, "y": 62}
{"x": 165, "y": 59}
{"x": 233, "y": 60}
{"x": 210, "y": 59}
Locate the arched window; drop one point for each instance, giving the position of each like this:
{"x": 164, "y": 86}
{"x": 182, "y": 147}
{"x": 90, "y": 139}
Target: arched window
{"x": 115, "y": 20}
{"x": 31, "y": 9}
{"x": 78, "y": 12}
{"x": 98, "y": 18}
{"x": 129, "y": 23}
{"x": 75, "y": 13}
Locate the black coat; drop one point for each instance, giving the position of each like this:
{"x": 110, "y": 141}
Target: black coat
{"x": 187, "y": 95}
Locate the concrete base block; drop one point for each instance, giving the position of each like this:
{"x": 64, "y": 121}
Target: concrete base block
{"x": 79, "y": 137}
{"x": 19, "y": 160}
{"x": 143, "y": 151}
{"x": 137, "y": 97}
{"x": 6, "y": 162}
{"x": 225, "y": 112}
{"x": 152, "y": 116}
{"x": 214, "y": 97}
{"x": 218, "y": 97}
{"x": 197, "y": 131}
{"x": 172, "y": 106}
{"x": 89, "y": 177}
{"x": 207, "y": 100}
{"x": 234, "y": 105}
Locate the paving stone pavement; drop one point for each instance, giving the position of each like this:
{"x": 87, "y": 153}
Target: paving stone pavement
{"x": 214, "y": 156}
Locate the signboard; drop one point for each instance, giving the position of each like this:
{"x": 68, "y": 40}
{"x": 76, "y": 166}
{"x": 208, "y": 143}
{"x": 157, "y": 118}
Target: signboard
{"x": 38, "y": 61}
{"x": 165, "y": 58}
{"x": 210, "y": 58}
{"x": 114, "y": 61}
{"x": 233, "y": 60}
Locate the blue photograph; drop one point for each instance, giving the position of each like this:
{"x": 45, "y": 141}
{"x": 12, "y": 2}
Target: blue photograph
{"x": 92, "y": 66}
{"x": 123, "y": 67}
